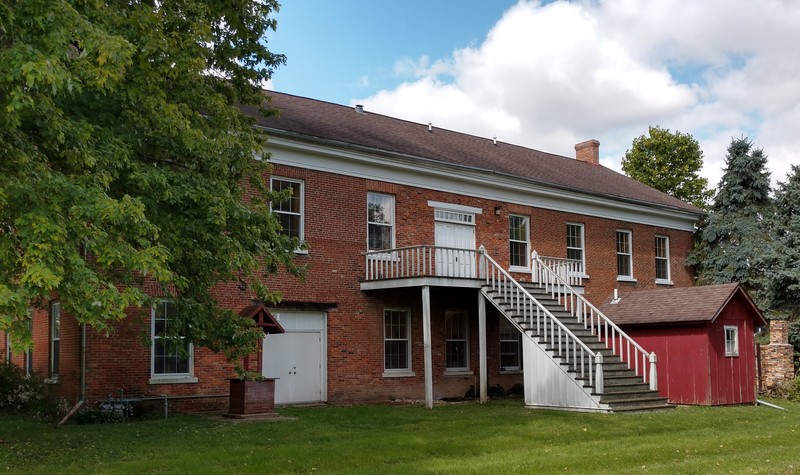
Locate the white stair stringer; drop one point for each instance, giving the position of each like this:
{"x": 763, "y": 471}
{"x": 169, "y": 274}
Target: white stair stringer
{"x": 548, "y": 383}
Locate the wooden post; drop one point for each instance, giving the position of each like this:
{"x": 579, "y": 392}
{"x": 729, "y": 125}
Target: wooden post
{"x": 653, "y": 372}
{"x": 482, "y": 346}
{"x": 426, "y": 341}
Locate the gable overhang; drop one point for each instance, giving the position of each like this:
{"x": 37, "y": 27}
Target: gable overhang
{"x": 301, "y": 151}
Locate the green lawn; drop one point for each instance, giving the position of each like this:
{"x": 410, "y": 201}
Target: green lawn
{"x": 500, "y": 437}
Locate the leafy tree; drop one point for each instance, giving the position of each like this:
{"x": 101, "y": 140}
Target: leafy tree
{"x": 731, "y": 240}
{"x": 783, "y": 278}
{"x": 126, "y": 162}
{"x": 669, "y": 162}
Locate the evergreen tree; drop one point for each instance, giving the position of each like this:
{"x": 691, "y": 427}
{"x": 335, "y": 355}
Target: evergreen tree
{"x": 732, "y": 240}
{"x": 669, "y": 162}
{"x": 127, "y": 164}
{"x": 783, "y": 278}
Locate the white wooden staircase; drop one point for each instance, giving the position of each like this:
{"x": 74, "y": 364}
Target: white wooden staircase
{"x": 573, "y": 356}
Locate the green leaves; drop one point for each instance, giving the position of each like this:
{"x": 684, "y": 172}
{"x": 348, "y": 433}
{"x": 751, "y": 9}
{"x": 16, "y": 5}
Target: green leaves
{"x": 669, "y": 162}
{"x": 126, "y": 161}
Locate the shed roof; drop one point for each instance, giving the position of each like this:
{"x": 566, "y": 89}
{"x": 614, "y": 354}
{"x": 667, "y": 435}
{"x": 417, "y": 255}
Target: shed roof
{"x": 676, "y": 305}
{"x": 311, "y": 119}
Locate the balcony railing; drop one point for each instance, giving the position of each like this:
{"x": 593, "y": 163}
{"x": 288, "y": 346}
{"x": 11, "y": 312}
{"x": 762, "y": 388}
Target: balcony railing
{"x": 421, "y": 261}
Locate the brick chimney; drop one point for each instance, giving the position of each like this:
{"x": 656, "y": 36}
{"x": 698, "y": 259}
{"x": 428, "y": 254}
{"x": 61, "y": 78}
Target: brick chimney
{"x": 588, "y": 152}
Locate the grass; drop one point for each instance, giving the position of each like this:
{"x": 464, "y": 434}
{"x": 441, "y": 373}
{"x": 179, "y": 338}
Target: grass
{"x": 500, "y": 437}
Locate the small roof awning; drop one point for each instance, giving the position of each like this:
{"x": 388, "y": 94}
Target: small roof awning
{"x": 263, "y": 318}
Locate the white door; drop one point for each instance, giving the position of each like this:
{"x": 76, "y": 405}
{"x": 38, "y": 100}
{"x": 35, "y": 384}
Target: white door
{"x": 297, "y": 358}
{"x": 459, "y": 260}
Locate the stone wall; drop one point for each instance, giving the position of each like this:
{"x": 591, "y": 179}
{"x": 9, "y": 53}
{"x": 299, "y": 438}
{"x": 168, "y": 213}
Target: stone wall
{"x": 776, "y": 359}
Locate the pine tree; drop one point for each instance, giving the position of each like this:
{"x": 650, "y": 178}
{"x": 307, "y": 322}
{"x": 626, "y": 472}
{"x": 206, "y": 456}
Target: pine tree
{"x": 732, "y": 240}
{"x": 783, "y": 278}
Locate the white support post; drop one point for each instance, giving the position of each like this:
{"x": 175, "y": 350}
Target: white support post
{"x": 534, "y": 267}
{"x": 482, "y": 262}
{"x": 426, "y": 339}
{"x": 599, "y": 387}
{"x": 482, "y": 347}
{"x": 653, "y": 373}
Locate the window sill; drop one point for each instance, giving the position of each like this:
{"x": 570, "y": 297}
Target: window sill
{"x": 399, "y": 374}
{"x": 519, "y": 269}
{"x": 173, "y": 380}
{"x": 511, "y": 371}
{"x": 625, "y": 278}
{"x": 53, "y": 380}
{"x": 301, "y": 252}
{"x": 459, "y": 372}
{"x": 732, "y": 356}
{"x": 663, "y": 282}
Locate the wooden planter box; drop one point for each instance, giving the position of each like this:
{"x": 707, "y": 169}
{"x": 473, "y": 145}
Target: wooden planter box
{"x": 252, "y": 397}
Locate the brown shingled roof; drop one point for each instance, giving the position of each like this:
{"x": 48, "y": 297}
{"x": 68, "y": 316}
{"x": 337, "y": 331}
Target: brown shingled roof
{"x": 675, "y": 305}
{"x": 313, "y": 119}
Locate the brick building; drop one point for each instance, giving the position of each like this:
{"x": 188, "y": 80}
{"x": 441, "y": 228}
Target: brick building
{"x": 405, "y": 224}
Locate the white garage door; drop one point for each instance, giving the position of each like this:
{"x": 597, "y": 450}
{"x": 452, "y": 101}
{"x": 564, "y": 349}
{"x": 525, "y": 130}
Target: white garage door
{"x": 297, "y": 358}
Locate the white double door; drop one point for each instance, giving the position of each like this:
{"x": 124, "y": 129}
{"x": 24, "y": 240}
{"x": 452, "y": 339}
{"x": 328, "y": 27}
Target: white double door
{"x": 459, "y": 259}
{"x": 297, "y": 358}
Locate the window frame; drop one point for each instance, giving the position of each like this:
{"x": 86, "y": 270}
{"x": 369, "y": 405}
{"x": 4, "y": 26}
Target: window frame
{"x": 390, "y": 225}
{"x": 8, "y": 352}
{"x": 665, "y": 259}
{"x": 517, "y": 341}
{"x": 55, "y": 339}
{"x": 582, "y": 248}
{"x": 301, "y": 198}
{"x": 731, "y": 342}
{"x": 526, "y": 220}
{"x": 161, "y": 378}
{"x": 624, "y": 277}
{"x": 464, "y": 316}
{"x": 398, "y": 372}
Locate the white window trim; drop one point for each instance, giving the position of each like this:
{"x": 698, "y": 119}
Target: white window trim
{"x": 624, "y": 278}
{"x": 511, "y": 369}
{"x": 527, "y": 242}
{"x": 668, "y": 280}
{"x": 301, "y": 194}
{"x": 399, "y": 372}
{"x": 167, "y": 378}
{"x": 582, "y": 228}
{"x": 454, "y": 207}
{"x": 53, "y": 338}
{"x": 385, "y": 256}
{"x": 465, "y": 370}
{"x": 8, "y": 348}
{"x": 735, "y": 330}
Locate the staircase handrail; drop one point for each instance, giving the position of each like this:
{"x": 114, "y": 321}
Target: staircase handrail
{"x": 602, "y": 319}
{"x": 596, "y": 359}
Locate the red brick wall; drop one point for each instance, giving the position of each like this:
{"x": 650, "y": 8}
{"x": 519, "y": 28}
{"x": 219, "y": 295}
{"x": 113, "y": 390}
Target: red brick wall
{"x": 335, "y": 228}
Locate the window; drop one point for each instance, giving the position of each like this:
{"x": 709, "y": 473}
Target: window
{"x": 28, "y": 356}
{"x": 168, "y": 359}
{"x": 396, "y": 341}
{"x": 55, "y": 337}
{"x": 624, "y": 256}
{"x": 510, "y": 346}
{"x": 731, "y": 340}
{"x": 8, "y": 349}
{"x": 575, "y": 244}
{"x": 456, "y": 341}
{"x": 518, "y": 227}
{"x": 662, "y": 260}
{"x": 289, "y": 211}
{"x": 380, "y": 222}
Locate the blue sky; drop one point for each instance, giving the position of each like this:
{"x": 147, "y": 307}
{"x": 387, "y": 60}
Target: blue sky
{"x": 551, "y": 74}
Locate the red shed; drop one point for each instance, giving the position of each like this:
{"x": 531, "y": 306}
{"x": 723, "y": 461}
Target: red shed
{"x": 702, "y": 337}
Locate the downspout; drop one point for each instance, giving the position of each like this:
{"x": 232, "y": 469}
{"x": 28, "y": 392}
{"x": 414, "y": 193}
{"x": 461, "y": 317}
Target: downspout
{"x": 82, "y": 379}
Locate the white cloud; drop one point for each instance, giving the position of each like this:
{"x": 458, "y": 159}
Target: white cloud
{"x": 549, "y": 76}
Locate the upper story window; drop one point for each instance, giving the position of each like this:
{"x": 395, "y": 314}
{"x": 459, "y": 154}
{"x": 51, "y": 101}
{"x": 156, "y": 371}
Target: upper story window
{"x": 575, "y": 248}
{"x": 396, "y": 341}
{"x": 456, "y": 341}
{"x": 9, "y": 353}
{"x": 168, "y": 359}
{"x": 55, "y": 338}
{"x": 731, "y": 340}
{"x": 380, "y": 221}
{"x": 624, "y": 256}
{"x": 518, "y": 240}
{"x": 290, "y": 211}
{"x": 662, "y": 260}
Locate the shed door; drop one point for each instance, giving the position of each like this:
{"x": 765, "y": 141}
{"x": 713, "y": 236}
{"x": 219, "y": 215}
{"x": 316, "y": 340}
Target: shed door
{"x": 297, "y": 358}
